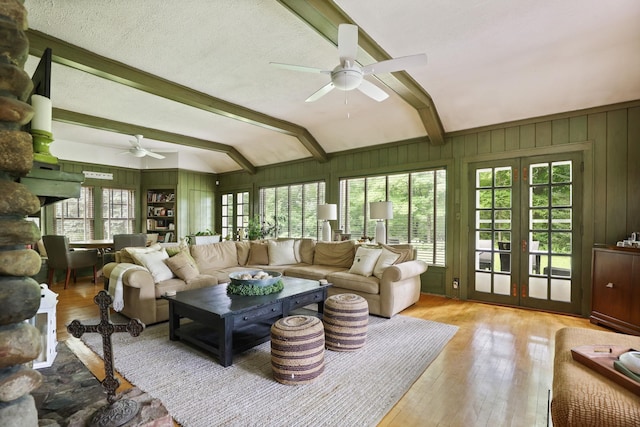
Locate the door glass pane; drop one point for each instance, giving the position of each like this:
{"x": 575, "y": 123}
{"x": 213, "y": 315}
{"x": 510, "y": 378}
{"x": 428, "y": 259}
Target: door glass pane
{"x": 501, "y": 284}
{"x": 550, "y": 231}
{"x": 483, "y": 282}
{"x": 493, "y": 230}
{"x": 561, "y": 290}
{"x": 538, "y": 288}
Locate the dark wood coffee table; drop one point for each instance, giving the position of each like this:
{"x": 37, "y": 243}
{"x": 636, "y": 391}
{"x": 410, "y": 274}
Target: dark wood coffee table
{"x": 225, "y": 324}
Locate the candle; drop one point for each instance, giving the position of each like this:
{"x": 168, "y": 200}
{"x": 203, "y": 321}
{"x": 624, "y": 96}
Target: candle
{"x": 42, "y": 113}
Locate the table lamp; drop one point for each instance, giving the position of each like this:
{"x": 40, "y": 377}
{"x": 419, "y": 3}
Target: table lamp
{"x": 381, "y": 211}
{"x": 326, "y": 213}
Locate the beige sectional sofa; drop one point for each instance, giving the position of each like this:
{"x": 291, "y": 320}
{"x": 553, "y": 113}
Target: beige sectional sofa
{"x": 388, "y": 277}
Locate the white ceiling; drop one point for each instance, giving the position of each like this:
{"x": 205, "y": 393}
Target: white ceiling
{"x": 489, "y": 62}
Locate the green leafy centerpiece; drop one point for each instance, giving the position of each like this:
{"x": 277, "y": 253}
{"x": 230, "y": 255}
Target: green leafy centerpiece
{"x": 255, "y": 282}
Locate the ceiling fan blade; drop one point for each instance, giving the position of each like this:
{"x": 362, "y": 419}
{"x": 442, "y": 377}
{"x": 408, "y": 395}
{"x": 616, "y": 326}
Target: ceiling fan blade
{"x": 372, "y": 91}
{"x": 347, "y": 42}
{"x": 154, "y": 155}
{"x": 320, "y": 92}
{"x": 299, "y": 68}
{"x": 396, "y": 64}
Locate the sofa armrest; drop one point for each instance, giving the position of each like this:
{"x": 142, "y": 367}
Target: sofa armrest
{"x": 400, "y": 286}
{"x": 402, "y": 271}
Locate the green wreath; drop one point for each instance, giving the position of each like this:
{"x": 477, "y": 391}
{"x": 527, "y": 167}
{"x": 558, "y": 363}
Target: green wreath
{"x": 252, "y": 290}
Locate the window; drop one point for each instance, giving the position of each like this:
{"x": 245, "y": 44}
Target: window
{"x": 293, "y": 208}
{"x": 419, "y": 209}
{"x": 74, "y": 217}
{"x": 118, "y": 211}
{"x": 235, "y": 212}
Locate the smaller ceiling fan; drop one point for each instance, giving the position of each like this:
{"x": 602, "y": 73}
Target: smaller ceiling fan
{"x": 348, "y": 75}
{"x": 138, "y": 151}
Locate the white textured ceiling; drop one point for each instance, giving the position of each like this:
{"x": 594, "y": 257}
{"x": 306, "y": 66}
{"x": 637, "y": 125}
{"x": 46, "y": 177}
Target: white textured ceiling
{"x": 490, "y": 62}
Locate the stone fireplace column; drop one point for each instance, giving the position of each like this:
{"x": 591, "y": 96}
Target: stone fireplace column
{"x": 19, "y": 294}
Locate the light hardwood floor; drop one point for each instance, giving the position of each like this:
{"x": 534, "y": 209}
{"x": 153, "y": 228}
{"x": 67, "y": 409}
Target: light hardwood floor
{"x": 496, "y": 371}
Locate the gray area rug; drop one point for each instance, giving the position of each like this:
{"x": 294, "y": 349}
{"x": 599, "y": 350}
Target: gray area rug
{"x": 356, "y": 389}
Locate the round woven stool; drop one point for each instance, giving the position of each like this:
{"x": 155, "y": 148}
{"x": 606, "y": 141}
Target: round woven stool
{"x": 346, "y": 317}
{"x": 297, "y": 349}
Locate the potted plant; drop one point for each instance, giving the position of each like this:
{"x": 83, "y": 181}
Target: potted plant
{"x": 260, "y": 230}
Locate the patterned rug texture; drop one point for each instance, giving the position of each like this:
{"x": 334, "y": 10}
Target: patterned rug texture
{"x": 356, "y": 389}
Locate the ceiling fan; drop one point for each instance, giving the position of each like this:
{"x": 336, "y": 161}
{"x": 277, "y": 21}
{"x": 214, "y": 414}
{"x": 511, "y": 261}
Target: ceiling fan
{"x": 348, "y": 75}
{"x": 138, "y": 151}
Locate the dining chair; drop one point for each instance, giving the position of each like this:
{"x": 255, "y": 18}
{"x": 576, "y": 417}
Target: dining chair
{"x": 60, "y": 256}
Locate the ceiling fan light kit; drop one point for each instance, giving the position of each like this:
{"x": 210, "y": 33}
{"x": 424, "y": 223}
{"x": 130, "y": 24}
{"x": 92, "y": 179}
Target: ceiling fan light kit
{"x": 138, "y": 151}
{"x": 348, "y": 75}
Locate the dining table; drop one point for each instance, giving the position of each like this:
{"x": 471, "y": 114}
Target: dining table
{"x": 100, "y": 244}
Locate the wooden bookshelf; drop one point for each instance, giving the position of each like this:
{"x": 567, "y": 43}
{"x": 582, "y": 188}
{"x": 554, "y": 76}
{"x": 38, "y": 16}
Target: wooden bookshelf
{"x": 161, "y": 214}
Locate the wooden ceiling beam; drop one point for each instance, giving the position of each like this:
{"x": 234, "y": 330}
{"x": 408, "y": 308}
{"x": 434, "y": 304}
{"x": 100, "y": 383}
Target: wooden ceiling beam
{"x": 325, "y": 17}
{"x": 85, "y": 120}
{"x": 81, "y": 59}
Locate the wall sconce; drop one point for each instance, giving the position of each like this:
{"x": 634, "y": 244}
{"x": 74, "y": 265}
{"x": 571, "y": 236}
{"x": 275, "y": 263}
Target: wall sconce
{"x": 381, "y": 211}
{"x": 326, "y": 213}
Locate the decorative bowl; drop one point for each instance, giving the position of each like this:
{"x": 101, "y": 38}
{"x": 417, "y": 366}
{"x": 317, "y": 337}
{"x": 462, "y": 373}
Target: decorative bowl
{"x": 235, "y": 278}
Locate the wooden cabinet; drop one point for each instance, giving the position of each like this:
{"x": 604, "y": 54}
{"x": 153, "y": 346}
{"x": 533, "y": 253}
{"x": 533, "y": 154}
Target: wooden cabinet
{"x": 161, "y": 214}
{"x": 615, "y": 299}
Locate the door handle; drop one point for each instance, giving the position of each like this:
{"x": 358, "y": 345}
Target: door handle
{"x": 609, "y": 285}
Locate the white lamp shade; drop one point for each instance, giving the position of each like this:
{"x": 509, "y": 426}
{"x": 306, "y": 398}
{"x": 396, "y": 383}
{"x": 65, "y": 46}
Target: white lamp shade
{"x": 381, "y": 210}
{"x": 328, "y": 212}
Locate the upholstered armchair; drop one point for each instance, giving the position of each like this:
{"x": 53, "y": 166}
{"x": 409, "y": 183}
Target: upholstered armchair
{"x": 60, "y": 256}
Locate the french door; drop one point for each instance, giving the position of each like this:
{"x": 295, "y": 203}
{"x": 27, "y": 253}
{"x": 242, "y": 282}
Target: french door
{"x": 526, "y": 235}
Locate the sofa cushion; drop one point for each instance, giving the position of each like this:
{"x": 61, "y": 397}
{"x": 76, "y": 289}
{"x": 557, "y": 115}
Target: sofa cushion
{"x": 354, "y": 282}
{"x": 243, "y": 251}
{"x": 258, "y": 254}
{"x": 311, "y": 272}
{"x": 281, "y": 252}
{"x": 385, "y": 259}
{"x": 215, "y": 255}
{"x": 306, "y": 251}
{"x": 155, "y": 263}
{"x": 183, "y": 266}
{"x": 365, "y": 261}
{"x": 337, "y": 254}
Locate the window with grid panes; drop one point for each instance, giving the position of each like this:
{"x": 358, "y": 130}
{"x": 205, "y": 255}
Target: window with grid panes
{"x": 235, "y": 213}
{"x": 74, "y": 218}
{"x": 292, "y": 208}
{"x": 419, "y": 209}
{"x": 118, "y": 211}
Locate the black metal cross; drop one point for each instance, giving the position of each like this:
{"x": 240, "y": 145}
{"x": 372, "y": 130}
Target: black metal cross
{"x": 106, "y": 329}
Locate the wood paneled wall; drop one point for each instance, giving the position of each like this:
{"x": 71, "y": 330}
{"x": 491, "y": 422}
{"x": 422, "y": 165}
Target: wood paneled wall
{"x": 608, "y": 137}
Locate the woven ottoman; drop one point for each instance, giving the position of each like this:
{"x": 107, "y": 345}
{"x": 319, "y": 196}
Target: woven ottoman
{"x": 297, "y": 349}
{"x": 346, "y": 317}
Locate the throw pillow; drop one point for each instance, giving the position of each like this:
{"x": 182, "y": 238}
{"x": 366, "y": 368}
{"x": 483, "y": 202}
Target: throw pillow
{"x": 386, "y": 259}
{"x": 242, "y": 248}
{"x": 183, "y": 266}
{"x": 336, "y": 254}
{"x": 258, "y": 254}
{"x": 307, "y": 248}
{"x": 406, "y": 254}
{"x": 126, "y": 254}
{"x": 281, "y": 252}
{"x": 365, "y": 261}
{"x": 154, "y": 262}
